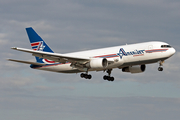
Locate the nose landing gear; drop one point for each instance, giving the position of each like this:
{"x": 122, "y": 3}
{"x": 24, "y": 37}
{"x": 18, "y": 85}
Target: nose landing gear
{"x": 160, "y": 68}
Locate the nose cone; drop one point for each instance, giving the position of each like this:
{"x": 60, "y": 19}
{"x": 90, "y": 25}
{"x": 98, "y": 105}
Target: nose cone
{"x": 173, "y": 51}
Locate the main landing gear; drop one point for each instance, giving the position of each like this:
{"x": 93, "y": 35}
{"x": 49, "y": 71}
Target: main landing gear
{"x": 86, "y": 76}
{"x": 106, "y": 77}
{"x": 160, "y": 68}
{"x": 109, "y": 78}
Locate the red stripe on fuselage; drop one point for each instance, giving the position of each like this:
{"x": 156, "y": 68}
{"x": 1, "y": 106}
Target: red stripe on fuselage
{"x": 114, "y": 55}
{"x": 138, "y": 55}
{"x": 156, "y": 50}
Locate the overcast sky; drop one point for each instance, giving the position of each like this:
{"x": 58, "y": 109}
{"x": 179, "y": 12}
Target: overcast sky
{"x": 75, "y": 25}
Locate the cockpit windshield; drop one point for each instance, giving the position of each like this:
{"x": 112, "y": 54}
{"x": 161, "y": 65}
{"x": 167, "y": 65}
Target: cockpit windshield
{"x": 165, "y": 46}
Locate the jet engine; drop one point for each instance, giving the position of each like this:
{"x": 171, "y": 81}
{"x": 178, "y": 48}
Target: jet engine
{"x": 135, "y": 69}
{"x": 97, "y": 63}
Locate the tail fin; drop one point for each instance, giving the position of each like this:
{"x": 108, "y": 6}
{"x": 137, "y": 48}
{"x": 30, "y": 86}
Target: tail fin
{"x": 37, "y": 43}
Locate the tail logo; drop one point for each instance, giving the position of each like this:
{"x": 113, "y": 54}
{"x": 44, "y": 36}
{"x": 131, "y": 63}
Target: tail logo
{"x": 38, "y": 46}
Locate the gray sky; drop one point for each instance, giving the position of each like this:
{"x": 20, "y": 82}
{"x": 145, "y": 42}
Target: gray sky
{"x": 69, "y": 26}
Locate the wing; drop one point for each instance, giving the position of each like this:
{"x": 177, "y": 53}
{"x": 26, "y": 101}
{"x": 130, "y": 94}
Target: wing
{"x": 27, "y": 62}
{"x": 54, "y": 56}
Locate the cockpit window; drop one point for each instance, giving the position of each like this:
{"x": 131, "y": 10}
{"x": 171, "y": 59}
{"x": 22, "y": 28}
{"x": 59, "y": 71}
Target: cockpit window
{"x": 165, "y": 46}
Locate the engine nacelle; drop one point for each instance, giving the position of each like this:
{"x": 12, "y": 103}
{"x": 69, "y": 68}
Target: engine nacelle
{"x": 135, "y": 69}
{"x": 98, "y": 63}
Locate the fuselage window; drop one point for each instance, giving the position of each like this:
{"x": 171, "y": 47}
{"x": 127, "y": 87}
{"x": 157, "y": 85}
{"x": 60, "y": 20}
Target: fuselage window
{"x": 165, "y": 46}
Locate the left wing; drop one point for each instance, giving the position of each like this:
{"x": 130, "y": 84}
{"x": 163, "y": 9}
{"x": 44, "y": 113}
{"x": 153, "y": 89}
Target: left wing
{"x": 27, "y": 62}
{"x": 54, "y": 56}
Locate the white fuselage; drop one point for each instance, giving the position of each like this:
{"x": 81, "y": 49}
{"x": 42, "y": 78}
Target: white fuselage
{"x": 119, "y": 56}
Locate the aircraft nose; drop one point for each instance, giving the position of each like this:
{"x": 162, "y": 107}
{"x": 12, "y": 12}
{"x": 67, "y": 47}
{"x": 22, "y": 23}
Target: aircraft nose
{"x": 173, "y": 51}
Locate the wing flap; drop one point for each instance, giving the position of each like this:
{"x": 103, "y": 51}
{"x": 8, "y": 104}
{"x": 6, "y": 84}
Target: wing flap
{"x": 27, "y": 62}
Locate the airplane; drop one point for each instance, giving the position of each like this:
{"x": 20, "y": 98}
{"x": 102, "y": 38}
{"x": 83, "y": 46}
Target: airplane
{"x": 130, "y": 58}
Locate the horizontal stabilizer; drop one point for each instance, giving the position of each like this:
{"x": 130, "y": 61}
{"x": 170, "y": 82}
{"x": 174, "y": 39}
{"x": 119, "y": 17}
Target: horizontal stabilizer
{"x": 27, "y": 62}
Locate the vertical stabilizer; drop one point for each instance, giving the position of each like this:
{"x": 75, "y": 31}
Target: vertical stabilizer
{"x": 37, "y": 43}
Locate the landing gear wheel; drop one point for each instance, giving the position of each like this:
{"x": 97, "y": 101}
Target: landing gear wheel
{"x": 89, "y": 76}
{"x": 105, "y": 77}
{"x": 160, "y": 69}
{"x": 86, "y": 76}
{"x": 82, "y": 75}
{"x": 108, "y": 78}
{"x": 112, "y": 78}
